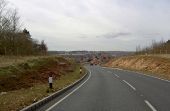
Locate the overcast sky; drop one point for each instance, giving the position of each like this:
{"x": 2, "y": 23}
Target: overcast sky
{"x": 95, "y": 24}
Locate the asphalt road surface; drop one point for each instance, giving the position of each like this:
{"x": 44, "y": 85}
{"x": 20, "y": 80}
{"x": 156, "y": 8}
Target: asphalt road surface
{"x": 114, "y": 90}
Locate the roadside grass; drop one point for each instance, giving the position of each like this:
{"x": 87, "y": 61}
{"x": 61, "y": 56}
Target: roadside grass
{"x": 18, "y": 99}
{"x": 10, "y": 67}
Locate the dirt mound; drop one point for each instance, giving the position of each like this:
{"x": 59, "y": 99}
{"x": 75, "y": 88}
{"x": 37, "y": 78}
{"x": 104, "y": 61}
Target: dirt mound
{"x": 33, "y": 72}
{"x": 156, "y": 65}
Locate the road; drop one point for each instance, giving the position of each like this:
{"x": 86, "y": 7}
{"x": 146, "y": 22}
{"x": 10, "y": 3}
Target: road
{"x": 114, "y": 90}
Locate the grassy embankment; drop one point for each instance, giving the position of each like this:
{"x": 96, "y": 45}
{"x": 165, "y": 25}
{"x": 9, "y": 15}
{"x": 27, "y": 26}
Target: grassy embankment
{"x": 155, "y": 65}
{"x": 27, "y": 81}
{"x": 14, "y": 60}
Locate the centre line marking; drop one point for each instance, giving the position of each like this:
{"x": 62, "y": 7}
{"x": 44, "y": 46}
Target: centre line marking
{"x": 50, "y": 108}
{"x": 116, "y": 75}
{"x": 129, "y": 85}
{"x": 150, "y": 105}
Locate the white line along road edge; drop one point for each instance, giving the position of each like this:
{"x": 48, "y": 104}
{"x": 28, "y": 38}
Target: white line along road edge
{"x": 149, "y": 104}
{"x": 129, "y": 85}
{"x": 141, "y": 74}
{"x": 50, "y": 108}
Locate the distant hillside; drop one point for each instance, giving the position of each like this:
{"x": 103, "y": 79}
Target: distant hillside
{"x": 110, "y": 53}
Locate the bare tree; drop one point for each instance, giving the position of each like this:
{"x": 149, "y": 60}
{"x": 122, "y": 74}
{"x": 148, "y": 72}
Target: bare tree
{"x": 14, "y": 41}
{"x": 160, "y": 47}
{"x": 15, "y": 21}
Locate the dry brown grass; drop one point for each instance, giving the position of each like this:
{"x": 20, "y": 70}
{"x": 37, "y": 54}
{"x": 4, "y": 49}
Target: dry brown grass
{"x": 155, "y": 65}
{"x": 162, "y": 55}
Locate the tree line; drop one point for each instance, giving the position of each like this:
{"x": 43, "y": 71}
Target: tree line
{"x": 13, "y": 40}
{"x": 161, "y": 47}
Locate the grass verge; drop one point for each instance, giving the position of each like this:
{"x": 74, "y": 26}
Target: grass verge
{"x": 13, "y": 60}
{"x": 18, "y": 99}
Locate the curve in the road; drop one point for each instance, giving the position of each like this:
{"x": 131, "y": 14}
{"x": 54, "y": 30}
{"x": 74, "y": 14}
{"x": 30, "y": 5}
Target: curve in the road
{"x": 114, "y": 90}
{"x": 69, "y": 93}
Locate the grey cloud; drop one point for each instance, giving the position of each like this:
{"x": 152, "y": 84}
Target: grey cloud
{"x": 114, "y": 35}
{"x": 150, "y": 35}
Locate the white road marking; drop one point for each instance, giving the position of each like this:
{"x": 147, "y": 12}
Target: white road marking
{"x": 116, "y": 75}
{"x": 129, "y": 85}
{"x": 153, "y": 77}
{"x": 148, "y": 75}
{"x": 50, "y": 108}
{"x": 150, "y": 105}
{"x": 118, "y": 69}
{"x": 142, "y": 74}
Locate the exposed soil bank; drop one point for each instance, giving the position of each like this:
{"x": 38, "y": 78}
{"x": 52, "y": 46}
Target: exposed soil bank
{"x": 32, "y": 72}
{"x": 26, "y": 83}
{"x": 154, "y": 65}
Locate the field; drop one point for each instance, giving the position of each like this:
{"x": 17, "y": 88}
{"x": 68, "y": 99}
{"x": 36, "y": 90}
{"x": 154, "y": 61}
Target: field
{"x": 27, "y": 81}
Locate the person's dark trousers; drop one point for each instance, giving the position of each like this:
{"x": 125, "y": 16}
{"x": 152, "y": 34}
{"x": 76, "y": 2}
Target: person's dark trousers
{"x": 51, "y": 85}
